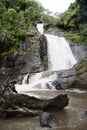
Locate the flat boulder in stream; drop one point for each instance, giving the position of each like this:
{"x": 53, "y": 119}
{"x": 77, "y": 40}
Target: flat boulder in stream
{"x": 15, "y": 103}
{"x": 58, "y": 102}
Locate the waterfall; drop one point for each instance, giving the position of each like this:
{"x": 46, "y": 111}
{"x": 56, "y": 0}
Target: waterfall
{"x": 25, "y": 79}
{"x": 60, "y": 57}
{"x": 42, "y": 81}
{"x": 40, "y": 28}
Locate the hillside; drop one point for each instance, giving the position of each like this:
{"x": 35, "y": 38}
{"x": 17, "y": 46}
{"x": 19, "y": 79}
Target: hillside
{"x": 74, "y": 21}
{"x": 15, "y": 18}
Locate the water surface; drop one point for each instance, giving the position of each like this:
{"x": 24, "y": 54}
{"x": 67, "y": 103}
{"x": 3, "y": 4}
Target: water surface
{"x": 71, "y": 118}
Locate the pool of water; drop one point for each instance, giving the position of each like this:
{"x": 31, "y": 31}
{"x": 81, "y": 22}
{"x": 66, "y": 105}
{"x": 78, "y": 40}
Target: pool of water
{"x": 71, "y": 118}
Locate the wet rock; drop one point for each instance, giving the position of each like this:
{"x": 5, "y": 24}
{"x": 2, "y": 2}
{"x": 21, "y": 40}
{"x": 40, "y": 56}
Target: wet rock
{"x": 43, "y": 52}
{"x": 85, "y": 113}
{"x": 70, "y": 79}
{"x": 9, "y": 87}
{"x": 58, "y": 102}
{"x": 80, "y": 51}
{"x": 66, "y": 78}
{"x": 83, "y": 78}
{"x": 47, "y": 120}
{"x": 4, "y": 113}
{"x": 56, "y": 84}
{"x": 49, "y": 25}
{"x": 1, "y": 90}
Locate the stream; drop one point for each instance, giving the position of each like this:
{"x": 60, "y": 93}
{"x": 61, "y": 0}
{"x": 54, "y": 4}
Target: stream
{"x": 71, "y": 118}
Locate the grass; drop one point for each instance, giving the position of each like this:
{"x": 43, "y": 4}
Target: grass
{"x": 76, "y": 37}
{"x": 73, "y": 37}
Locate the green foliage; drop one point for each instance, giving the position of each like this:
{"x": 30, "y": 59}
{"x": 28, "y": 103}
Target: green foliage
{"x": 67, "y": 19}
{"x": 75, "y": 18}
{"x": 15, "y": 17}
{"x": 81, "y": 63}
{"x": 81, "y": 66}
{"x": 2, "y": 9}
{"x": 72, "y": 36}
{"x": 12, "y": 50}
{"x": 48, "y": 18}
{"x": 83, "y": 33}
{"x": 11, "y": 29}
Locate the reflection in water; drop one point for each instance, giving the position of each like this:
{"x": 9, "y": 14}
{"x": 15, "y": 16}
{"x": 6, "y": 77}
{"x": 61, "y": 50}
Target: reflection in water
{"x": 71, "y": 118}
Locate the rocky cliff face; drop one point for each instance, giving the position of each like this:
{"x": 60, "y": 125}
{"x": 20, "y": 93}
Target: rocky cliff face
{"x": 26, "y": 59}
{"x": 31, "y": 57}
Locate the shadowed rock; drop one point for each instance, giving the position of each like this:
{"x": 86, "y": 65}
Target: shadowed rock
{"x": 47, "y": 120}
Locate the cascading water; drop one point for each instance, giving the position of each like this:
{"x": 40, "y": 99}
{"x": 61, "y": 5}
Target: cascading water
{"x": 39, "y": 81}
{"x": 25, "y": 79}
{"x": 40, "y": 28}
{"x": 60, "y": 57}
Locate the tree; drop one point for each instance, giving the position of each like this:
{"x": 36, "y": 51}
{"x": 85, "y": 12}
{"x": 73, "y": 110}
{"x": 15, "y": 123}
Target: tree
{"x": 15, "y": 17}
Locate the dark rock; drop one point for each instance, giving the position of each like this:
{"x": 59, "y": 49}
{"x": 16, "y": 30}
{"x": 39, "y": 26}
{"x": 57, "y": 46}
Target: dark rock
{"x": 4, "y": 113}
{"x": 21, "y": 61}
{"x": 56, "y": 84}
{"x": 1, "y": 90}
{"x": 10, "y": 87}
{"x": 13, "y": 104}
{"x": 85, "y": 113}
{"x": 58, "y": 102}
{"x": 70, "y": 79}
{"x": 47, "y": 120}
{"x": 10, "y": 61}
{"x": 49, "y": 25}
{"x": 43, "y": 52}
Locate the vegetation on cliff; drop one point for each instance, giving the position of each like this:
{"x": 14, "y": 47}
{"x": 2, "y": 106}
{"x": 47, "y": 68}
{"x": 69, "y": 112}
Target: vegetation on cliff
{"x": 74, "y": 20}
{"x": 15, "y": 18}
{"x": 81, "y": 66}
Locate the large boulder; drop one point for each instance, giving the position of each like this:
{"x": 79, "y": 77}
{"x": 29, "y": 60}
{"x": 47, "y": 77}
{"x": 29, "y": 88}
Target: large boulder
{"x": 70, "y": 79}
{"x": 12, "y": 102}
{"x": 47, "y": 120}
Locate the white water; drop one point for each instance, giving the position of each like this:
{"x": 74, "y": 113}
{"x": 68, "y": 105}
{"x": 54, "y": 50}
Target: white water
{"x": 40, "y": 28}
{"x": 60, "y": 57}
{"x": 38, "y": 81}
{"x": 25, "y": 79}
